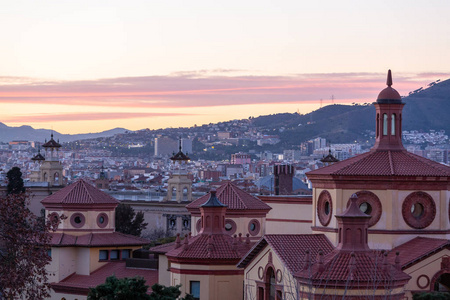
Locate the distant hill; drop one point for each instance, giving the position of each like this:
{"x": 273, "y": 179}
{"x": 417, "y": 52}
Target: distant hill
{"x": 28, "y": 133}
{"x": 424, "y": 109}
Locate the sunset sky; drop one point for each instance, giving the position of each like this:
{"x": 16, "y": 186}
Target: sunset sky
{"x": 88, "y": 66}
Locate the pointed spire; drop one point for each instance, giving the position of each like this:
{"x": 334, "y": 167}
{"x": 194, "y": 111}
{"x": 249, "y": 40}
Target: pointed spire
{"x": 179, "y": 141}
{"x": 389, "y": 78}
{"x": 177, "y": 241}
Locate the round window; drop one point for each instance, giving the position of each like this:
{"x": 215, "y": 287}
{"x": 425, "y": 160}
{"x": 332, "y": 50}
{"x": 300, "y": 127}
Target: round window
{"x": 324, "y": 208}
{"x": 418, "y": 210}
{"x": 77, "y": 220}
{"x": 369, "y": 204}
{"x": 254, "y": 227}
{"x": 102, "y": 220}
{"x": 230, "y": 226}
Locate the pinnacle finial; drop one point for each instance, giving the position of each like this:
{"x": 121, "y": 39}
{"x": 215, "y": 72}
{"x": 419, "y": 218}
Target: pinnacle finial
{"x": 389, "y": 78}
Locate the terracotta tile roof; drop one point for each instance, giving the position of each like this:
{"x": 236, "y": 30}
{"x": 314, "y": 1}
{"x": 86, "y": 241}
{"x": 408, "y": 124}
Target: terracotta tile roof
{"x": 96, "y": 240}
{"x": 164, "y": 248}
{"x": 233, "y": 197}
{"x": 38, "y": 157}
{"x": 222, "y": 247}
{"x": 290, "y": 248}
{"x": 385, "y": 163}
{"x": 416, "y": 250}
{"x": 367, "y": 267}
{"x": 78, "y": 193}
{"x": 82, "y": 283}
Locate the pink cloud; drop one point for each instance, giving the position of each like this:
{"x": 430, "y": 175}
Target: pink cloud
{"x": 37, "y": 118}
{"x": 201, "y": 89}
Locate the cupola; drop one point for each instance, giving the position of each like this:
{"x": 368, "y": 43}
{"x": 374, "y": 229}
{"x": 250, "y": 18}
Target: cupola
{"x": 389, "y": 108}
{"x": 213, "y": 215}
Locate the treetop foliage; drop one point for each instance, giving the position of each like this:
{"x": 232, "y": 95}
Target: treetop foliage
{"x": 15, "y": 181}
{"x": 128, "y": 221}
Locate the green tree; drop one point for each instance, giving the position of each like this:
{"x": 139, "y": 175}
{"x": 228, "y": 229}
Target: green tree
{"x": 161, "y": 292}
{"x": 120, "y": 289}
{"x": 128, "y": 221}
{"x": 15, "y": 181}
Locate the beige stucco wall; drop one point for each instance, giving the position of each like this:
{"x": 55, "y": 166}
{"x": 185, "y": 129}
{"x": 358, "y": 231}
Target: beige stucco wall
{"x": 260, "y": 261}
{"x": 242, "y": 224}
{"x": 428, "y": 267}
{"x": 90, "y": 220}
{"x": 289, "y": 218}
{"x": 391, "y": 216}
{"x": 218, "y": 287}
{"x": 163, "y": 273}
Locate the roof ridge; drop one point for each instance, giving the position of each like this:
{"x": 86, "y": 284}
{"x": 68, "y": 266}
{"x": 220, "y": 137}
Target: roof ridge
{"x": 84, "y": 183}
{"x": 391, "y": 163}
{"x": 237, "y": 191}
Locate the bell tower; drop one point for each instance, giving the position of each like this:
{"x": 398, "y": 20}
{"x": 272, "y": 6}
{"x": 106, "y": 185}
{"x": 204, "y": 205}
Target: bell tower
{"x": 51, "y": 168}
{"x": 179, "y": 186}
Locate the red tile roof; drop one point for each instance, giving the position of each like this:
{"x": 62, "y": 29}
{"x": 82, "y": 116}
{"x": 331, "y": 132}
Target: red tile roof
{"x": 385, "y": 163}
{"x": 290, "y": 248}
{"x": 218, "y": 247}
{"x": 233, "y": 197}
{"x": 339, "y": 267}
{"x": 78, "y": 193}
{"x": 416, "y": 250}
{"x": 96, "y": 240}
{"x": 80, "y": 284}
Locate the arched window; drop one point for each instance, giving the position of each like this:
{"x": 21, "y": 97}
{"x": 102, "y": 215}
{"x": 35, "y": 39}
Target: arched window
{"x": 385, "y": 124}
{"x": 393, "y": 124}
{"x": 270, "y": 284}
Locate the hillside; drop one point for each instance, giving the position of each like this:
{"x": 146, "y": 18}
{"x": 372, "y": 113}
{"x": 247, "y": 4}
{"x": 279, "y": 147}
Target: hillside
{"x": 28, "y": 133}
{"x": 424, "y": 110}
